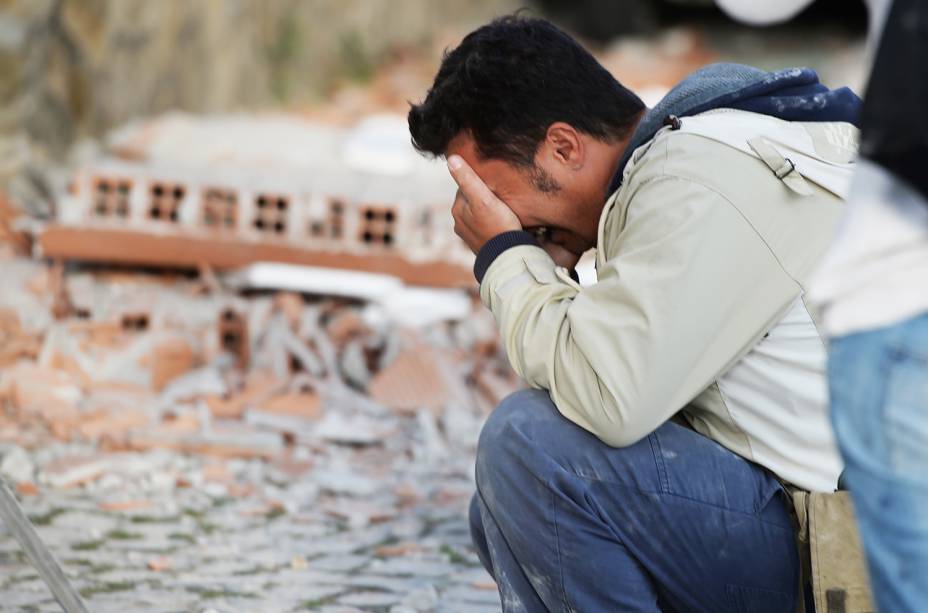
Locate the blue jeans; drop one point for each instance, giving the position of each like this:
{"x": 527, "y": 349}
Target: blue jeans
{"x": 879, "y": 403}
{"x": 674, "y": 522}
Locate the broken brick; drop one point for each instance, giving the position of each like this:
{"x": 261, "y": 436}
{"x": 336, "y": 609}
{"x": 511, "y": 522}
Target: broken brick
{"x": 217, "y": 472}
{"x": 291, "y": 413}
{"x": 170, "y": 359}
{"x": 27, "y": 488}
{"x": 291, "y": 305}
{"x": 125, "y": 505}
{"x": 225, "y": 442}
{"x": 344, "y": 326}
{"x": 415, "y": 379}
{"x": 259, "y": 387}
{"x": 404, "y": 548}
{"x": 180, "y": 424}
{"x": 98, "y": 335}
{"x": 23, "y": 347}
{"x": 20, "y": 241}
{"x": 113, "y": 425}
{"x": 298, "y": 404}
{"x": 62, "y": 307}
{"x": 71, "y": 471}
{"x": 241, "y": 490}
{"x": 291, "y": 467}
{"x": 48, "y": 394}
{"x": 159, "y": 564}
{"x": 61, "y": 362}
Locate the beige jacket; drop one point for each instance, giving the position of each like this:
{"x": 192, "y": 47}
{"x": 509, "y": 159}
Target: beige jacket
{"x": 701, "y": 253}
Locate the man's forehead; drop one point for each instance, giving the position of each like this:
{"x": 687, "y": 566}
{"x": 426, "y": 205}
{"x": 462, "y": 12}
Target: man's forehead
{"x": 463, "y": 145}
{"x": 497, "y": 174}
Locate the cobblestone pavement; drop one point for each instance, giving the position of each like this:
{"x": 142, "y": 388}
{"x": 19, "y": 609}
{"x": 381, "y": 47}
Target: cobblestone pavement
{"x": 365, "y": 529}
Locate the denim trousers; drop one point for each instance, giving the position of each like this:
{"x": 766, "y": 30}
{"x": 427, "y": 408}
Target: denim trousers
{"x": 878, "y": 382}
{"x": 675, "y": 522}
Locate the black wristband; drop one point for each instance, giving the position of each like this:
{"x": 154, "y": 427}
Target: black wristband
{"x": 498, "y": 244}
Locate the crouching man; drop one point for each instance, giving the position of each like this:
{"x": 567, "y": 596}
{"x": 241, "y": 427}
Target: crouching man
{"x": 674, "y": 397}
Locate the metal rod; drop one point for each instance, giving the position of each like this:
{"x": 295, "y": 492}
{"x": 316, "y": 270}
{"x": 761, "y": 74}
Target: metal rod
{"x": 39, "y": 555}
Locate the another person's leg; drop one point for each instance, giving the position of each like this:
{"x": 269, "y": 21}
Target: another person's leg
{"x": 879, "y": 401}
{"x": 674, "y": 522}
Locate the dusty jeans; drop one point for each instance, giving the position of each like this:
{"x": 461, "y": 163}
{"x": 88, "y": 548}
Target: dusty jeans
{"x": 674, "y": 522}
{"x": 879, "y": 402}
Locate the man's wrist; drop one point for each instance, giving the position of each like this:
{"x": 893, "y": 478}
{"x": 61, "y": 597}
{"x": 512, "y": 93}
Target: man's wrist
{"x": 496, "y": 246}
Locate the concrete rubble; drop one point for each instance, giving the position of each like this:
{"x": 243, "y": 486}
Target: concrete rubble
{"x": 229, "y": 191}
{"x": 183, "y": 445}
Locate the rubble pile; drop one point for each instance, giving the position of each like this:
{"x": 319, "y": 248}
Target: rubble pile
{"x": 182, "y": 446}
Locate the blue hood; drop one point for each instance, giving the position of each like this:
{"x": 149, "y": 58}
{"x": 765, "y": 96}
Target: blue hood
{"x": 794, "y": 94}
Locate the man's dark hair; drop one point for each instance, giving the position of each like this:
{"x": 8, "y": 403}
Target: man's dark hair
{"x": 508, "y": 81}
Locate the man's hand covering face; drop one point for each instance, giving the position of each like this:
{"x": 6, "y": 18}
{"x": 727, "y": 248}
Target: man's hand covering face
{"x": 478, "y": 214}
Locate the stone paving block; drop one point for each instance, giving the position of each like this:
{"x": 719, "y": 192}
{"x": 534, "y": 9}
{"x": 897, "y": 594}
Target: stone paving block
{"x": 400, "y": 585}
{"x": 339, "y": 609}
{"x": 410, "y": 567}
{"x": 471, "y": 595}
{"x": 19, "y": 597}
{"x": 339, "y": 563}
{"x": 370, "y": 599}
{"x": 461, "y": 607}
{"x": 303, "y": 592}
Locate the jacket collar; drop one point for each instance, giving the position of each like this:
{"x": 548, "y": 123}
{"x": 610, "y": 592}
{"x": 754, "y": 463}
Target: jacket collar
{"x": 794, "y": 94}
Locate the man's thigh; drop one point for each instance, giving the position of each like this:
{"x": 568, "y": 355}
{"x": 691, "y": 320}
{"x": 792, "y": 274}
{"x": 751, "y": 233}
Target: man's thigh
{"x": 710, "y": 528}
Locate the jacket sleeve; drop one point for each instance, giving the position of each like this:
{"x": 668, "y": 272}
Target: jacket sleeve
{"x": 622, "y": 356}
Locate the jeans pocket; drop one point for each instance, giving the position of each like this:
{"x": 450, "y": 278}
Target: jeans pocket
{"x": 758, "y": 600}
{"x": 775, "y": 505}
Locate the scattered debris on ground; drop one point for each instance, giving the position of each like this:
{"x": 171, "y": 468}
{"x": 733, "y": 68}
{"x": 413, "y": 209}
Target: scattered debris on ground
{"x": 184, "y": 446}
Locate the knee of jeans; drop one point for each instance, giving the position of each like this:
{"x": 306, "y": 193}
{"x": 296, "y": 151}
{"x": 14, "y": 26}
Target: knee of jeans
{"x": 514, "y": 411}
{"x": 504, "y": 436}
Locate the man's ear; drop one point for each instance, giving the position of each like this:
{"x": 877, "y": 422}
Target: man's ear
{"x": 565, "y": 144}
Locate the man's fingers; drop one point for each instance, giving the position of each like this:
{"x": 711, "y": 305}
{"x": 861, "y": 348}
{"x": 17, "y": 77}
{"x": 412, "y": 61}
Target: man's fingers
{"x": 459, "y": 206}
{"x": 478, "y": 214}
{"x": 458, "y": 212}
{"x": 471, "y": 185}
{"x": 460, "y": 201}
